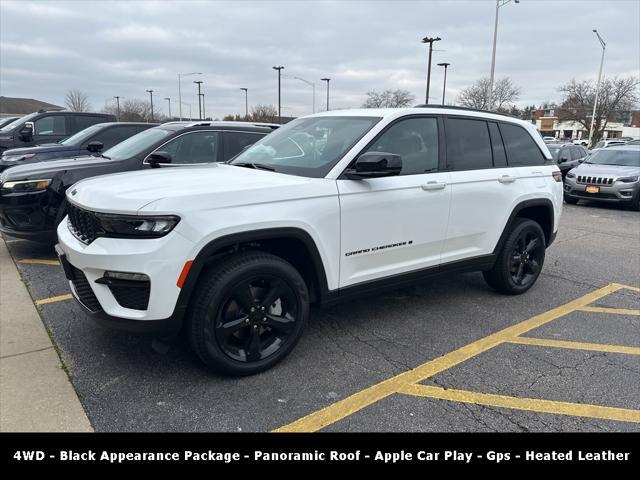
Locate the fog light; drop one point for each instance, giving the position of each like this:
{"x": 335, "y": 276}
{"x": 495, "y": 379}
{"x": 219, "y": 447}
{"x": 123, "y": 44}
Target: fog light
{"x": 136, "y": 277}
{"x": 626, "y": 193}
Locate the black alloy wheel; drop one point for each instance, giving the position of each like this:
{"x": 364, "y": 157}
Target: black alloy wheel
{"x": 526, "y": 258}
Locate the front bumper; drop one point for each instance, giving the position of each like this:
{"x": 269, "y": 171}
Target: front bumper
{"x": 161, "y": 260}
{"x": 30, "y": 216}
{"x": 617, "y": 193}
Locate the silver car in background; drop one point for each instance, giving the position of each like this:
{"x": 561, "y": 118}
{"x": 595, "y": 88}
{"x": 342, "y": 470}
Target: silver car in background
{"x": 610, "y": 175}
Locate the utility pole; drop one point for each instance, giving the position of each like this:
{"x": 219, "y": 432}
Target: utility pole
{"x": 180, "y": 75}
{"x": 279, "y": 69}
{"x": 117, "y": 107}
{"x": 327, "y": 80}
{"x": 169, "y": 103}
{"x": 499, "y": 3}
{"x": 204, "y": 115}
{"x": 430, "y": 41}
{"x": 246, "y": 102}
{"x": 444, "y": 86}
{"x": 150, "y": 92}
{"x": 199, "y": 82}
{"x": 595, "y": 104}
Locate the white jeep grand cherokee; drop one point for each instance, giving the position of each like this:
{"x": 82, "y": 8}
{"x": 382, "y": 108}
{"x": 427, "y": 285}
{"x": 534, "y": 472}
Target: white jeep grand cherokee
{"x": 328, "y": 206}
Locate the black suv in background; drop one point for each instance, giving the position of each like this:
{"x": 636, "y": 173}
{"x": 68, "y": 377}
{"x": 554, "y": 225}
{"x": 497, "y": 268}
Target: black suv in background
{"x": 7, "y": 120}
{"x": 47, "y": 127}
{"x": 32, "y": 196}
{"x": 93, "y": 139}
{"x": 567, "y": 155}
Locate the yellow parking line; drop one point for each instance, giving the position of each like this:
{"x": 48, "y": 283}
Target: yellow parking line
{"x": 597, "y": 347}
{"x": 528, "y": 404}
{"x": 39, "y": 261}
{"x": 617, "y": 311}
{"x": 628, "y": 287}
{"x": 348, "y": 406}
{"x": 59, "y": 298}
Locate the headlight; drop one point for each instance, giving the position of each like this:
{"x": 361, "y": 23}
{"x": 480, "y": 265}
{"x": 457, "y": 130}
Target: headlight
{"x": 128, "y": 226}
{"x": 27, "y": 185}
{"x": 15, "y": 158}
{"x": 627, "y": 179}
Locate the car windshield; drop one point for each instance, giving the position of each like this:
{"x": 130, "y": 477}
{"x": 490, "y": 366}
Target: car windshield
{"x": 308, "y": 147}
{"x": 625, "y": 158}
{"x": 15, "y": 123}
{"x": 81, "y": 136}
{"x": 137, "y": 144}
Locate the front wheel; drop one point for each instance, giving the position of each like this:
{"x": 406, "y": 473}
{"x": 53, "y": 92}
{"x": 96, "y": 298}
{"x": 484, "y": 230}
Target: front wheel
{"x": 571, "y": 200}
{"x": 248, "y": 313}
{"x": 520, "y": 261}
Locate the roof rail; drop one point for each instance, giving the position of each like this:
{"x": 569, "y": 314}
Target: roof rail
{"x": 468, "y": 109}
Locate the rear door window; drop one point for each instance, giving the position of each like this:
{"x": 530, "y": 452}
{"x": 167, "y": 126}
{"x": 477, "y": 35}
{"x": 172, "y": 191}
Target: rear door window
{"x": 522, "y": 150}
{"x": 468, "y": 144}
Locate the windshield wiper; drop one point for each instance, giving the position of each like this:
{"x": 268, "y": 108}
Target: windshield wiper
{"x": 256, "y": 166}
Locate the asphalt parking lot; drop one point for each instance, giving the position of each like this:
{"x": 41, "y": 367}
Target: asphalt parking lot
{"x": 445, "y": 355}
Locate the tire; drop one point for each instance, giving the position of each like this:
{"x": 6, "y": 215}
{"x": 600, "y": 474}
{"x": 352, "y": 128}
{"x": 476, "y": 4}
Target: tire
{"x": 571, "y": 200}
{"x": 636, "y": 203}
{"x": 520, "y": 260}
{"x": 223, "y": 330}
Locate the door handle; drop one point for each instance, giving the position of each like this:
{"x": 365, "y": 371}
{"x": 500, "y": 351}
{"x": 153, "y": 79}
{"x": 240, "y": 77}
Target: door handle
{"x": 506, "y": 179}
{"x": 433, "y": 185}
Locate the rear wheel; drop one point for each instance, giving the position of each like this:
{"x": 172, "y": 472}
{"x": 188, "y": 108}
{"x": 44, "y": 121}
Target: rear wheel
{"x": 520, "y": 261}
{"x": 248, "y": 313}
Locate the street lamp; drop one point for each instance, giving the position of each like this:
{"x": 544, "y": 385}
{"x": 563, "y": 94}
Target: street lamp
{"x": 118, "y": 107}
{"x": 313, "y": 86}
{"x": 279, "y": 69}
{"x": 430, "y": 41}
{"x": 180, "y": 75}
{"x": 204, "y": 115}
{"x": 168, "y": 103}
{"x": 327, "y": 80}
{"x": 499, "y": 3}
{"x": 595, "y": 104}
{"x": 444, "y": 86}
{"x": 246, "y": 102}
{"x": 150, "y": 92}
{"x": 199, "y": 82}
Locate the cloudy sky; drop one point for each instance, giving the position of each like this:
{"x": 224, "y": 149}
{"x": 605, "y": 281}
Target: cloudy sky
{"x": 108, "y": 48}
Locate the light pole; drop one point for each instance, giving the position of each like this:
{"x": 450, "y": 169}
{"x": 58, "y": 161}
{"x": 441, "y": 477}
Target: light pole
{"x": 168, "y": 103}
{"x": 313, "y": 86}
{"x": 199, "y": 82}
{"x": 117, "y": 107}
{"x": 595, "y": 104}
{"x": 499, "y": 3}
{"x": 327, "y": 80}
{"x": 150, "y": 92}
{"x": 204, "y": 115}
{"x": 444, "y": 87}
{"x": 246, "y": 102}
{"x": 279, "y": 69}
{"x": 430, "y": 41}
{"x": 180, "y": 75}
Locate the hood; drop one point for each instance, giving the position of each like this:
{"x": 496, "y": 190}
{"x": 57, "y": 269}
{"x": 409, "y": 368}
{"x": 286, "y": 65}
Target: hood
{"x": 175, "y": 189}
{"x": 592, "y": 169}
{"x": 49, "y": 168}
{"x": 47, "y": 147}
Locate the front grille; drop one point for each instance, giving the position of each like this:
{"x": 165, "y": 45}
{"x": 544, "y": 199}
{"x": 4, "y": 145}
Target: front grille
{"x": 84, "y": 291}
{"x": 135, "y": 295}
{"x": 595, "y": 180}
{"x": 84, "y": 225}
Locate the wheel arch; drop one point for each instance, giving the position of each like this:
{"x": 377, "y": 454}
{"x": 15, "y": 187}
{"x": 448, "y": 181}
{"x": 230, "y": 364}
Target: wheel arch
{"x": 292, "y": 244}
{"x": 539, "y": 210}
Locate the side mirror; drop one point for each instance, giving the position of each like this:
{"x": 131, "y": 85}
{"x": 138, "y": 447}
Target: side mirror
{"x": 374, "y": 165}
{"x": 95, "y": 146}
{"x": 156, "y": 159}
{"x": 563, "y": 159}
{"x": 26, "y": 132}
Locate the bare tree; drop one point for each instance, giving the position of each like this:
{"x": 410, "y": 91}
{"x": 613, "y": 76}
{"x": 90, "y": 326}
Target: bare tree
{"x": 388, "y": 99}
{"x": 617, "y": 95}
{"x": 77, "y": 101}
{"x": 134, "y": 110}
{"x": 264, "y": 113}
{"x": 505, "y": 93}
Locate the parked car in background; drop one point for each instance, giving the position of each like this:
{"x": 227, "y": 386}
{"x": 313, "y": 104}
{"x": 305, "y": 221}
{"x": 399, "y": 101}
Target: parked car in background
{"x": 633, "y": 142}
{"x": 47, "y": 127}
{"x": 567, "y": 155}
{"x": 608, "y": 143}
{"x": 7, "y": 120}
{"x": 610, "y": 175}
{"x": 91, "y": 140}
{"x": 549, "y": 139}
{"x": 32, "y": 196}
{"x": 581, "y": 141}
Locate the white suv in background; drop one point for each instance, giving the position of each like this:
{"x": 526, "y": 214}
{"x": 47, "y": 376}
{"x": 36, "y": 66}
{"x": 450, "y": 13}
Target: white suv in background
{"x": 328, "y": 206}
